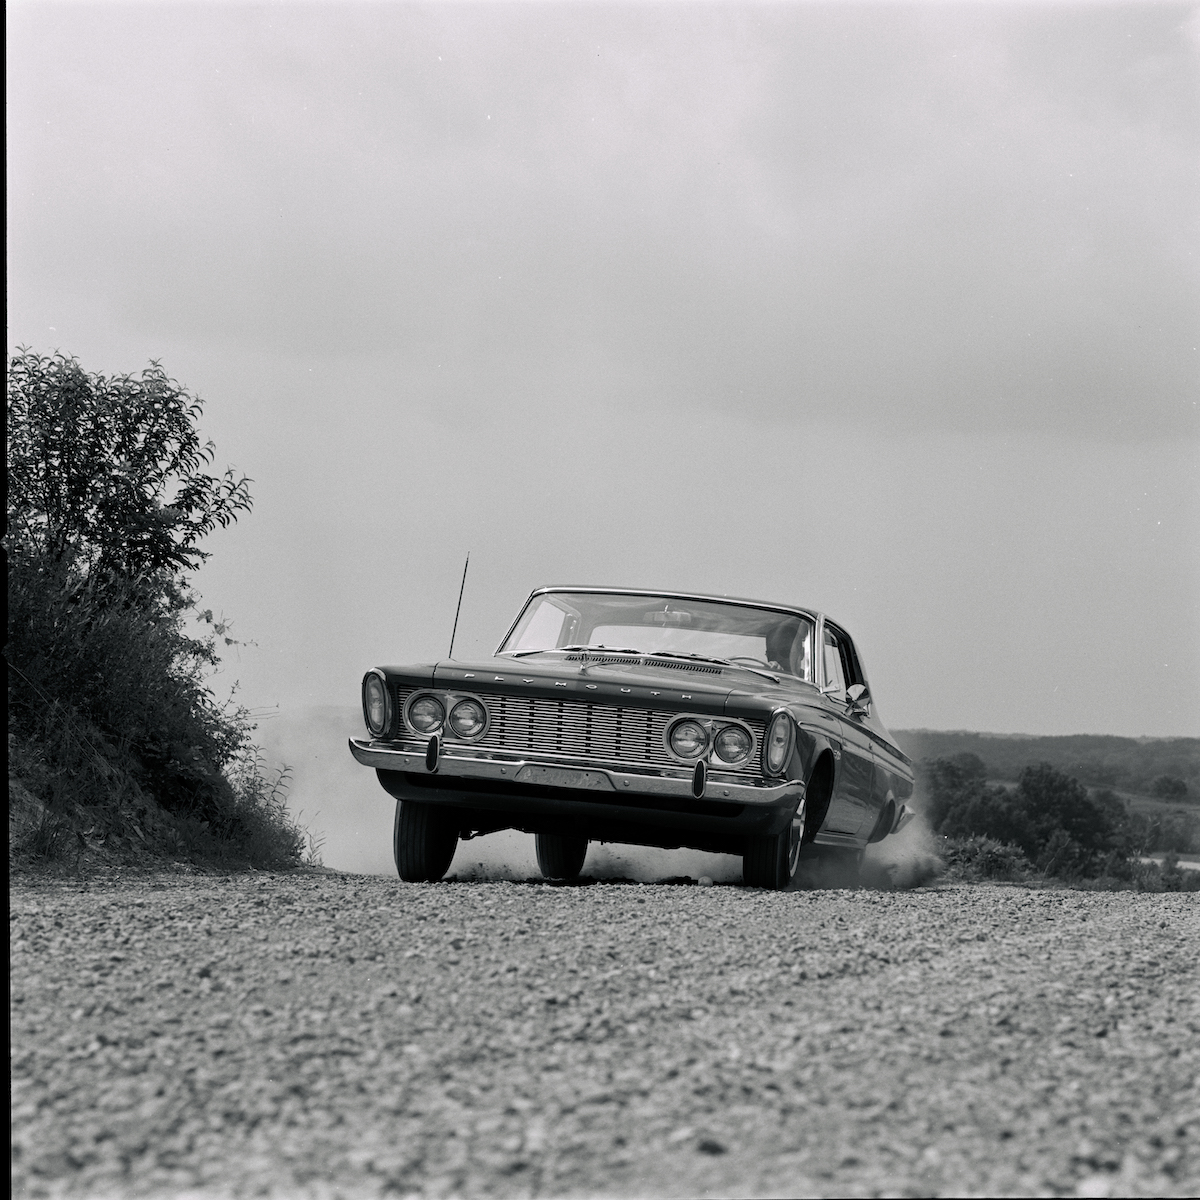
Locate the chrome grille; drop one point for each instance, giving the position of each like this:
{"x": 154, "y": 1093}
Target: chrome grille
{"x": 598, "y": 731}
{"x": 576, "y": 729}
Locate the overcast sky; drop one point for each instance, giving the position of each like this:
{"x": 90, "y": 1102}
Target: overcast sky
{"x": 887, "y": 310}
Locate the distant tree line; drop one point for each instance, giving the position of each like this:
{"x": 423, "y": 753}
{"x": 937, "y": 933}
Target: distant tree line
{"x": 1049, "y": 821}
{"x": 1167, "y": 768}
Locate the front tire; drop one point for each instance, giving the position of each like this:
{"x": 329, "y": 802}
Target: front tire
{"x": 560, "y": 856}
{"x": 770, "y": 861}
{"x": 424, "y": 838}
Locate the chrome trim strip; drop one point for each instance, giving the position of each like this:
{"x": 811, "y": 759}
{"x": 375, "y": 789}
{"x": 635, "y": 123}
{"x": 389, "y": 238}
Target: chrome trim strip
{"x": 454, "y": 764}
{"x": 827, "y": 837}
{"x": 509, "y": 757}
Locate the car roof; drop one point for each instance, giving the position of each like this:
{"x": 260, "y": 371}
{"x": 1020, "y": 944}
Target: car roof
{"x": 620, "y": 591}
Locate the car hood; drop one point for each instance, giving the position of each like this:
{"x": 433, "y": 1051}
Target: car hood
{"x": 673, "y": 685}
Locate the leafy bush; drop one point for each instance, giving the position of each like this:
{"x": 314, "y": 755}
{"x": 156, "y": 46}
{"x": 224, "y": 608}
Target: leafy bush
{"x": 113, "y": 729}
{"x": 106, "y": 472}
{"x": 1169, "y": 787}
{"x": 978, "y": 857}
{"x": 1049, "y": 817}
{"x": 1174, "y": 833}
{"x": 1145, "y": 876}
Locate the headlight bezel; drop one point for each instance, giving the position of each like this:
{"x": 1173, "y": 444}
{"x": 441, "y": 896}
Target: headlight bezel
{"x": 411, "y": 703}
{"x": 742, "y": 759}
{"x": 385, "y": 727}
{"x": 784, "y": 718}
{"x": 455, "y": 701}
{"x": 678, "y": 724}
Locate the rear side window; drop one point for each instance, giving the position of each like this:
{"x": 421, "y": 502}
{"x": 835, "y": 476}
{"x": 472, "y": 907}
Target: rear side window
{"x": 841, "y": 663}
{"x": 835, "y": 674}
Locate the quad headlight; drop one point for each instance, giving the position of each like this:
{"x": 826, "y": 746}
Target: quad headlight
{"x": 777, "y": 745}
{"x": 468, "y": 719}
{"x": 426, "y": 714}
{"x": 733, "y": 745}
{"x": 376, "y": 704}
{"x": 689, "y": 739}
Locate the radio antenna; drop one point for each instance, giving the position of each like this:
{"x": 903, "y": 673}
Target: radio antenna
{"x": 461, "y": 589}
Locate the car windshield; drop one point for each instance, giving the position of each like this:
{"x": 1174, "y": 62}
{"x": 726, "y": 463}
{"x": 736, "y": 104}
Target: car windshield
{"x": 724, "y": 632}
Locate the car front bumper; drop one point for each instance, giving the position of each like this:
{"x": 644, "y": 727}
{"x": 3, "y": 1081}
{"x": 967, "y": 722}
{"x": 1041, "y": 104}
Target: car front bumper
{"x": 584, "y": 793}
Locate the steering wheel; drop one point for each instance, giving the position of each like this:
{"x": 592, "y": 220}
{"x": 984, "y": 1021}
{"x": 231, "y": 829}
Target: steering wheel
{"x": 758, "y": 662}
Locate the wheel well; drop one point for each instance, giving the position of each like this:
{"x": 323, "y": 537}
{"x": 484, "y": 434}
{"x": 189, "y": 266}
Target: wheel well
{"x": 818, "y": 794}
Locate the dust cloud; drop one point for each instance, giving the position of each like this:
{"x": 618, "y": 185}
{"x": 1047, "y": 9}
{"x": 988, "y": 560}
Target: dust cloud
{"x": 510, "y": 855}
{"x": 349, "y": 816}
{"x": 339, "y": 802}
{"x": 905, "y": 860}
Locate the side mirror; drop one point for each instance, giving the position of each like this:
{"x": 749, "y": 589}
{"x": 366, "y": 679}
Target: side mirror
{"x": 858, "y": 700}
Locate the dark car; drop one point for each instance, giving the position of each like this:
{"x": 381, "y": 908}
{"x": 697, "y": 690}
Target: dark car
{"x": 651, "y": 718}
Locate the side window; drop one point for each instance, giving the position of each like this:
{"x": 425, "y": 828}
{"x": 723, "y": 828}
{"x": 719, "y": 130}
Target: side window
{"x": 835, "y": 675}
{"x": 841, "y": 662}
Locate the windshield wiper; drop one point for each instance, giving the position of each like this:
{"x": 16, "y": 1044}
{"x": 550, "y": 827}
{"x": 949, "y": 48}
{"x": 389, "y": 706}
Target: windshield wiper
{"x": 572, "y": 649}
{"x": 704, "y": 658}
{"x": 722, "y": 662}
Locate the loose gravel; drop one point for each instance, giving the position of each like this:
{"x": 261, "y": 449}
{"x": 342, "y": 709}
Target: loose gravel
{"x": 336, "y": 1035}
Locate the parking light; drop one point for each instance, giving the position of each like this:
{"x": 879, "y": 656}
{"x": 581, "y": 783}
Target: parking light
{"x": 777, "y": 748}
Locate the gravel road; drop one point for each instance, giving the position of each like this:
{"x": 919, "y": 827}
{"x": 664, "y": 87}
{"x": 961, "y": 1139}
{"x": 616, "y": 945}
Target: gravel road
{"x": 320, "y": 1034}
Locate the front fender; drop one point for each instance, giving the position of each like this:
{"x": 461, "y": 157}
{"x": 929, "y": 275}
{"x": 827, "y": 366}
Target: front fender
{"x": 814, "y": 737}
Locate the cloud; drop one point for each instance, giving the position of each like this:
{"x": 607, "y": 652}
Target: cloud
{"x": 911, "y": 217}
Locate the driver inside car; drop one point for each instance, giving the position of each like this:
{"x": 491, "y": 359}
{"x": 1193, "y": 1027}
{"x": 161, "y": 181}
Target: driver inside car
{"x": 789, "y": 648}
{"x": 800, "y": 655}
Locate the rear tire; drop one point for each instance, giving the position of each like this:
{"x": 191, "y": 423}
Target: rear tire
{"x": 560, "y": 856}
{"x": 424, "y": 838}
{"x": 770, "y": 861}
